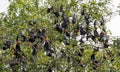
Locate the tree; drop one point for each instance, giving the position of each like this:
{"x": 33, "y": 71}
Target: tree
{"x": 49, "y": 36}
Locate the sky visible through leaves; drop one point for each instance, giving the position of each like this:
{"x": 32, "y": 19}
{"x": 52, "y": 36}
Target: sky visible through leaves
{"x": 113, "y": 25}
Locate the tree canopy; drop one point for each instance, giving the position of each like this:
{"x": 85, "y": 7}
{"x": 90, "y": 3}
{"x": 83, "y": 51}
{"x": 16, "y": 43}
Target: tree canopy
{"x": 57, "y": 35}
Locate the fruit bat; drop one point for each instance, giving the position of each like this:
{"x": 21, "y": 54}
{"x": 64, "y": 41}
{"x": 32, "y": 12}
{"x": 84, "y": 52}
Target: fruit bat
{"x": 50, "y": 10}
{"x": 74, "y": 19}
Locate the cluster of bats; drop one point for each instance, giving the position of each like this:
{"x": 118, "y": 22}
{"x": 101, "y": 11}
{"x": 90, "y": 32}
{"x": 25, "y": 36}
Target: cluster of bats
{"x": 40, "y": 38}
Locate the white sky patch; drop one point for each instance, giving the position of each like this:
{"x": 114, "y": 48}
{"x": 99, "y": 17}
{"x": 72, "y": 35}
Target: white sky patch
{"x": 113, "y": 25}
{"x": 3, "y": 5}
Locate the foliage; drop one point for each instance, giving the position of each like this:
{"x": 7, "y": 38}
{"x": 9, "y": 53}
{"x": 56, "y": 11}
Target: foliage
{"x": 36, "y": 37}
